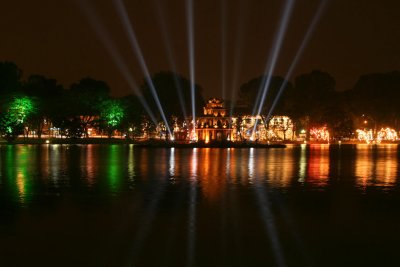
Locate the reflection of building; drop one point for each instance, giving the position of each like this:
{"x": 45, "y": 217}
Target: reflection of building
{"x": 213, "y": 124}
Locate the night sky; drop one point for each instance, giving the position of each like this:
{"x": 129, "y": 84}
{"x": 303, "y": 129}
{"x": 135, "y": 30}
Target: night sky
{"x": 56, "y": 39}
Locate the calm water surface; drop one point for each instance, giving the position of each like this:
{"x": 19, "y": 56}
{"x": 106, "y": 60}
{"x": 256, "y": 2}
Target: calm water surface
{"x": 117, "y": 205}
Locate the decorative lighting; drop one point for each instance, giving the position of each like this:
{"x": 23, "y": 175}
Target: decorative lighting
{"x": 320, "y": 133}
{"x": 365, "y": 136}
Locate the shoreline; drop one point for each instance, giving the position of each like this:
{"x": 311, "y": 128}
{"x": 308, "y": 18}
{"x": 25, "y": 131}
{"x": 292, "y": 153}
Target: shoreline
{"x": 148, "y": 143}
{"x": 168, "y": 144}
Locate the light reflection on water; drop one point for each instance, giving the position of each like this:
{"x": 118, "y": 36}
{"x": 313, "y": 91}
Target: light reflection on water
{"x": 114, "y": 168}
{"x": 377, "y": 166}
{"x": 255, "y": 207}
{"x": 318, "y": 165}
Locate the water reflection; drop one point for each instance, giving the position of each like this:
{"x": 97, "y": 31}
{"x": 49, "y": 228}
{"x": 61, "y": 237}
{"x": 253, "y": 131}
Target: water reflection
{"x": 16, "y": 162}
{"x": 209, "y": 172}
{"x": 131, "y": 164}
{"x": 302, "y": 163}
{"x": 211, "y": 175}
{"x": 192, "y": 208}
{"x": 318, "y": 165}
{"x": 279, "y": 167}
{"x": 114, "y": 168}
{"x": 251, "y": 166}
{"x": 377, "y": 166}
{"x": 90, "y": 165}
{"x": 172, "y": 163}
{"x": 268, "y": 218}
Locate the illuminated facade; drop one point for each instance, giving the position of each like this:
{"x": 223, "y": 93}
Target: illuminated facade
{"x": 246, "y": 130}
{"x": 281, "y": 128}
{"x": 214, "y": 124}
{"x": 278, "y": 128}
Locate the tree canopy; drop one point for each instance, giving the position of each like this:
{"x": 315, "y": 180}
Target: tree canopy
{"x": 174, "y": 94}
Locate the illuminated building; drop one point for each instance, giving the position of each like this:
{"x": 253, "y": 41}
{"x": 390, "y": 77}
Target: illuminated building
{"x": 246, "y": 128}
{"x": 213, "y": 124}
{"x": 281, "y": 128}
{"x": 319, "y": 134}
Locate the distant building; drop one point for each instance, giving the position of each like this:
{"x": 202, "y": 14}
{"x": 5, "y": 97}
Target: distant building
{"x": 281, "y": 128}
{"x": 214, "y": 124}
{"x": 278, "y": 128}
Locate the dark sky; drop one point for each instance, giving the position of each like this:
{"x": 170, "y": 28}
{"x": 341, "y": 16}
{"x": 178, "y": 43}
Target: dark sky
{"x": 55, "y": 38}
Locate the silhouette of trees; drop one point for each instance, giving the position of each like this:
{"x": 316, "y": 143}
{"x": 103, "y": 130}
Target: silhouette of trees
{"x": 10, "y": 78}
{"x": 376, "y": 96}
{"x": 32, "y": 104}
{"x": 47, "y": 94}
{"x": 250, "y": 94}
{"x": 174, "y": 94}
{"x": 86, "y": 98}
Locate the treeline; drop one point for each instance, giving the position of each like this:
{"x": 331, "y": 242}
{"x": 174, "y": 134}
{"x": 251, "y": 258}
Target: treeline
{"x": 311, "y": 100}
{"x": 31, "y": 104}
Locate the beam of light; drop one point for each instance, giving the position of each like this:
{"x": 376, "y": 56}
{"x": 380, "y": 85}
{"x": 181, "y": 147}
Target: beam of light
{"x": 146, "y": 222}
{"x": 299, "y": 52}
{"x": 223, "y": 48}
{"x": 237, "y": 63}
{"x": 266, "y": 213}
{"x": 234, "y": 214}
{"x": 170, "y": 54}
{"x": 111, "y": 48}
{"x": 192, "y": 210}
{"x": 224, "y": 207}
{"x": 190, "y": 34}
{"x": 126, "y": 22}
{"x": 179, "y": 201}
{"x": 273, "y": 57}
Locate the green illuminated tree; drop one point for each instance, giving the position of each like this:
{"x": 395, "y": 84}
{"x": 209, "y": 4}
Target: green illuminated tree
{"x": 9, "y": 128}
{"x": 12, "y": 121}
{"x": 112, "y": 113}
{"x": 20, "y": 108}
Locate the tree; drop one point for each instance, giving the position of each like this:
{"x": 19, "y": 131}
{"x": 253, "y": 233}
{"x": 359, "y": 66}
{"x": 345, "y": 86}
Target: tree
{"x": 48, "y": 96}
{"x": 171, "y": 86}
{"x": 112, "y": 113}
{"x": 12, "y": 121}
{"x": 134, "y": 113}
{"x": 376, "y": 96}
{"x": 312, "y": 94}
{"x": 85, "y": 100}
{"x": 251, "y": 92}
{"x": 10, "y": 78}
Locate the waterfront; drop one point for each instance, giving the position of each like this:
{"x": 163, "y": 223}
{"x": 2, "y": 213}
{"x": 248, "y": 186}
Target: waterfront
{"x": 117, "y": 205}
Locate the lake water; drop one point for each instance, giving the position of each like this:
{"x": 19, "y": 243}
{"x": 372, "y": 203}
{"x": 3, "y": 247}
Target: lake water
{"x": 117, "y": 205}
